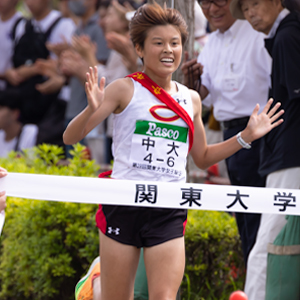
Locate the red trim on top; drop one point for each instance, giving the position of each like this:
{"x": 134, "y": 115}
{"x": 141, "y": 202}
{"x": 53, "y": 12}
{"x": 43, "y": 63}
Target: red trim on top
{"x": 164, "y": 97}
{"x": 160, "y": 118}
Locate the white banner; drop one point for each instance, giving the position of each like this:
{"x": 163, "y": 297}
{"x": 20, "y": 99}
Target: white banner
{"x": 152, "y": 194}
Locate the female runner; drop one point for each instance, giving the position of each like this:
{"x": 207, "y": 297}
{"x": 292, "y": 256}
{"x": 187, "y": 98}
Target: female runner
{"x": 150, "y": 142}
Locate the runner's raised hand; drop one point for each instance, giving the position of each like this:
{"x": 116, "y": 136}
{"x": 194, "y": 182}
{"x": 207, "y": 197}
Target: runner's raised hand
{"x": 261, "y": 124}
{"x": 94, "y": 91}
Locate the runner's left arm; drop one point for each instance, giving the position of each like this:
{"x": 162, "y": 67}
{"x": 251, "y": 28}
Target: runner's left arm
{"x": 259, "y": 124}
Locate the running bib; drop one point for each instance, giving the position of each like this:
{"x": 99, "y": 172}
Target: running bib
{"x": 159, "y": 147}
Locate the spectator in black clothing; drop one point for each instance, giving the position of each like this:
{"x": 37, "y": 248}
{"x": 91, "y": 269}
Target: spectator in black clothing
{"x": 34, "y": 71}
{"x": 280, "y": 159}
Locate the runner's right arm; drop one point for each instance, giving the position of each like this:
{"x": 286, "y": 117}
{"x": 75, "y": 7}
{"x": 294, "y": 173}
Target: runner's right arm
{"x": 101, "y": 103}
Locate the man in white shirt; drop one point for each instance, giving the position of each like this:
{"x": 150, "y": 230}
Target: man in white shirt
{"x": 236, "y": 70}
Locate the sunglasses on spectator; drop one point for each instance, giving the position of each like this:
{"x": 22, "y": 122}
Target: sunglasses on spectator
{"x": 205, "y": 4}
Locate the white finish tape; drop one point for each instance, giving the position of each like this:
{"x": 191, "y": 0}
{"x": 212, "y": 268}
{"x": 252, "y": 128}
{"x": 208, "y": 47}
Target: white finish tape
{"x": 152, "y": 194}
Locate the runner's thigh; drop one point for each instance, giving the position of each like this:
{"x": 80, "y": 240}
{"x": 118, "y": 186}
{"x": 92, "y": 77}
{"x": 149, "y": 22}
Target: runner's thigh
{"x": 118, "y": 267}
{"x": 165, "y": 268}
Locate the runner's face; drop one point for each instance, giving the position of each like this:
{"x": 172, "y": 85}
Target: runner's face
{"x": 162, "y": 50}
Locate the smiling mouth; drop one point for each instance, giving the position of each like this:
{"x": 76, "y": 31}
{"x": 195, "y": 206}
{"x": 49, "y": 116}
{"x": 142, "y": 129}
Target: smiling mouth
{"x": 216, "y": 17}
{"x": 167, "y": 60}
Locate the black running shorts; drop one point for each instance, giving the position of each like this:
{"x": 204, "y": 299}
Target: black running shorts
{"x": 139, "y": 226}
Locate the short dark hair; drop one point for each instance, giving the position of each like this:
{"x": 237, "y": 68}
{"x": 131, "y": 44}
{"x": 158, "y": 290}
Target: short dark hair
{"x": 103, "y": 3}
{"x": 98, "y": 4}
{"x": 11, "y": 99}
{"x": 150, "y": 15}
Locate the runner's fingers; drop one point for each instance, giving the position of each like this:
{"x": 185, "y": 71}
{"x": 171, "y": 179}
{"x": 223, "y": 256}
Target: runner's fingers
{"x": 267, "y": 106}
{"x": 92, "y": 75}
{"x": 87, "y": 87}
{"x": 88, "y": 83}
{"x": 274, "y": 109}
{"x": 276, "y": 116}
{"x": 96, "y": 74}
{"x": 102, "y": 83}
{"x": 256, "y": 109}
{"x": 275, "y": 124}
{"x": 88, "y": 78}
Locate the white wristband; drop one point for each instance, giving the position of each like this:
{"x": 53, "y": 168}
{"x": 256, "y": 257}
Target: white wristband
{"x": 242, "y": 142}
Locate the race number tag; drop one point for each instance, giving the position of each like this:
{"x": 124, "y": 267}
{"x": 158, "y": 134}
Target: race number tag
{"x": 159, "y": 147}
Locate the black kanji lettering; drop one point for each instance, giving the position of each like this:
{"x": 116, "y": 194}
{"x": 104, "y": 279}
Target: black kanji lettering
{"x": 173, "y": 148}
{"x": 285, "y": 200}
{"x": 143, "y": 194}
{"x": 191, "y": 196}
{"x": 238, "y": 197}
{"x": 148, "y": 143}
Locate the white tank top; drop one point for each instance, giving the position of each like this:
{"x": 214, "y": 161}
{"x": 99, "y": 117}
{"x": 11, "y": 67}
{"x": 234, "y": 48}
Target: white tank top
{"x": 150, "y": 142}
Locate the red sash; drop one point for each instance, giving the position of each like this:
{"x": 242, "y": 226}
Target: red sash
{"x": 164, "y": 97}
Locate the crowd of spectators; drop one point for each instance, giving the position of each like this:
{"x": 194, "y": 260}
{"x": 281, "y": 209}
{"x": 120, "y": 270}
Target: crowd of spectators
{"x": 46, "y": 84}
{"x": 49, "y": 86}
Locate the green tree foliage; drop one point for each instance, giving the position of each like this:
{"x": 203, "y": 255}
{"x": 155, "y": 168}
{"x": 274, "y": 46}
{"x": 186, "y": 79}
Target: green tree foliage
{"x": 214, "y": 260}
{"x": 47, "y": 246}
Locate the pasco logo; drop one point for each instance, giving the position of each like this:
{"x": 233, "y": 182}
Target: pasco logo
{"x": 161, "y": 130}
{"x": 155, "y": 130}
{"x": 163, "y": 113}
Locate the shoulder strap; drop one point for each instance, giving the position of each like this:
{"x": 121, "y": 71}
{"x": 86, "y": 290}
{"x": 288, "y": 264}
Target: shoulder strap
{"x": 49, "y": 30}
{"x": 28, "y": 25}
{"x": 164, "y": 97}
{"x": 18, "y": 140}
{"x": 28, "y": 29}
{"x": 13, "y": 30}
